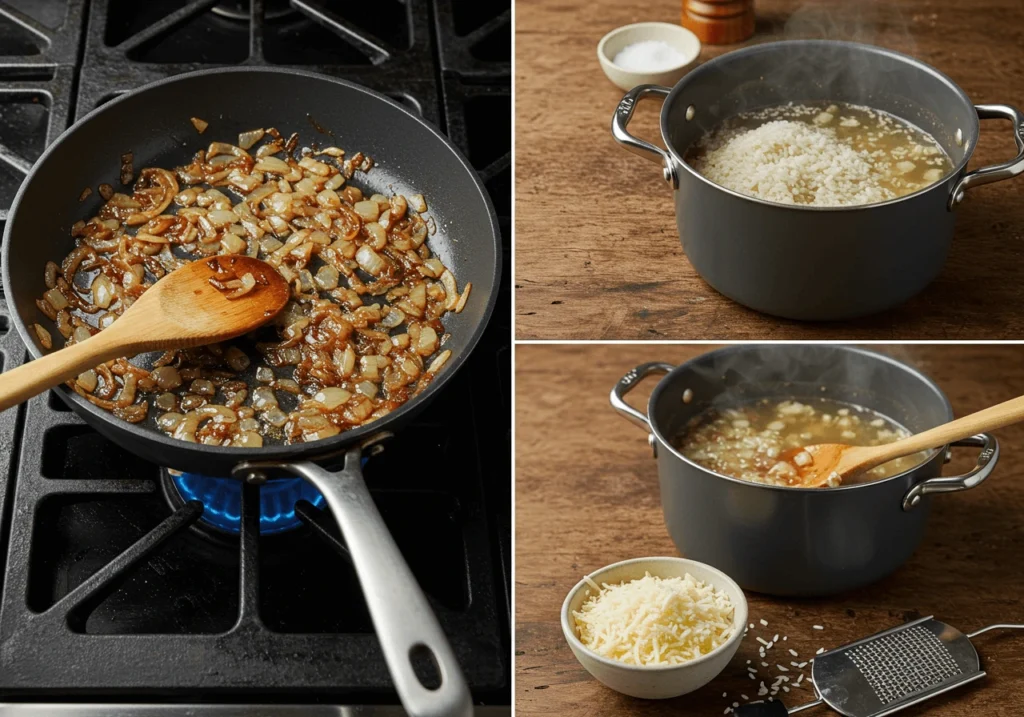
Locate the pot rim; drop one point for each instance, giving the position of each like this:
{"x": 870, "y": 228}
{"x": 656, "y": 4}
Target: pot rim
{"x": 665, "y": 444}
{"x": 969, "y": 135}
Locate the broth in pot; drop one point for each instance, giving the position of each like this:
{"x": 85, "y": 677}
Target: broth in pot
{"x": 748, "y": 441}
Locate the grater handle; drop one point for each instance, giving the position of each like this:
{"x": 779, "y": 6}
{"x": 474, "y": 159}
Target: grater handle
{"x": 1000, "y": 626}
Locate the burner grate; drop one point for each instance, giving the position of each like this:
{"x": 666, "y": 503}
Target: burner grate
{"x": 391, "y": 51}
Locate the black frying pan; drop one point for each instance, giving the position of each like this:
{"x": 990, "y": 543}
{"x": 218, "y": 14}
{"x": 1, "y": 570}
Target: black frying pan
{"x": 411, "y": 157}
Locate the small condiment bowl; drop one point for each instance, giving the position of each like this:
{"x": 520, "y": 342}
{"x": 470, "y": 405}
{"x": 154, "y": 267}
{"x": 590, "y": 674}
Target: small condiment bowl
{"x": 655, "y": 681}
{"x": 676, "y": 36}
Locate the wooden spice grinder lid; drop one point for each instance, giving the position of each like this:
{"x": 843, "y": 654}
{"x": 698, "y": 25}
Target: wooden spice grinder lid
{"x": 719, "y": 22}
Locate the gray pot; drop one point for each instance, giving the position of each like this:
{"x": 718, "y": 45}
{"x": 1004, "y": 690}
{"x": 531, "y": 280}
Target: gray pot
{"x": 816, "y": 263}
{"x": 797, "y": 541}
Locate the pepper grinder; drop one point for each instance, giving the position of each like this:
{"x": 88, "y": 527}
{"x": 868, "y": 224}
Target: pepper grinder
{"x": 719, "y": 22}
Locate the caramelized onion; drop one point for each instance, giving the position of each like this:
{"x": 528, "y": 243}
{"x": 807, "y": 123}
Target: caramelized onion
{"x": 358, "y": 267}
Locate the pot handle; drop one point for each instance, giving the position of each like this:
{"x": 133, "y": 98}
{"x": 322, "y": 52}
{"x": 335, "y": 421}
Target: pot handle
{"x": 620, "y": 120}
{"x": 627, "y": 383}
{"x": 986, "y": 463}
{"x": 402, "y": 617}
{"x": 996, "y": 172}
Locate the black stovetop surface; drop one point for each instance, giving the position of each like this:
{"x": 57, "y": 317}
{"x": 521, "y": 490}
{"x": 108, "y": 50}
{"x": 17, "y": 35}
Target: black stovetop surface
{"x": 111, "y": 590}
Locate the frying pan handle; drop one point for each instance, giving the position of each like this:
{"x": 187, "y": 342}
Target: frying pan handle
{"x": 401, "y": 615}
{"x": 997, "y": 172}
{"x": 987, "y": 460}
{"x": 627, "y": 383}
{"x": 620, "y": 120}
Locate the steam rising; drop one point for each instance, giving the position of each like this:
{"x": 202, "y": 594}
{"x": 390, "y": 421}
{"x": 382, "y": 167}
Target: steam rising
{"x": 743, "y": 374}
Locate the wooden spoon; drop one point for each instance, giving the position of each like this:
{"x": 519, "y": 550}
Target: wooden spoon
{"x": 846, "y": 461}
{"x": 181, "y": 310}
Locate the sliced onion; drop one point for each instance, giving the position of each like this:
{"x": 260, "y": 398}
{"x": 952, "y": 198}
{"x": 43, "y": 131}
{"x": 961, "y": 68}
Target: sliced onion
{"x": 236, "y": 359}
{"x": 50, "y": 275}
{"x": 439, "y": 361}
{"x": 248, "y": 139}
{"x": 275, "y": 417}
{"x": 56, "y": 299}
{"x": 367, "y": 210}
{"x": 427, "y": 342}
{"x": 222, "y": 217}
{"x": 394, "y": 317}
{"x": 461, "y": 303}
{"x": 102, "y": 291}
{"x": 315, "y": 167}
{"x": 248, "y": 284}
{"x": 217, "y": 148}
{"x": 451, "y": 290}
{"x": 87, "y": 380}
{"x": 378, "y": 237}
{"x": 398, "y": 206}
{"x": 249, "y": 439}
{"x": 219, "y": 414}
{"x": 249, "y": 424}
{"x": 169, "y": 421}
{"x": 234, "y": 245}
{"x": 367, "y": 388}
{"x": 199, "y": 124}
{"x": 272, "y": 165}
{"x": 166, "y": 377}
{"x": 370, "y": 261}
{"x": 327, "y": 277}
{"x": 202, "y": 387}
{"x": 263, "y": 398}
{"x": 305, "y": 186}
{"x": 332, "y": 397}
{"x": 166, "y": 401}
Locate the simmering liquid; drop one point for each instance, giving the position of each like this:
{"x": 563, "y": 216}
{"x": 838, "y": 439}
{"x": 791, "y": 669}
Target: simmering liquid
{"x": 824, "y": 154}
{"x": 747, "y": 441}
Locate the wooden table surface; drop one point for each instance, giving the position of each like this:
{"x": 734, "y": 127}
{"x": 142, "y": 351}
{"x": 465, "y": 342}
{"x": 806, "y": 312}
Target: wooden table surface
{"x": 597, "y": 252}
{"x": 587, "y": 496}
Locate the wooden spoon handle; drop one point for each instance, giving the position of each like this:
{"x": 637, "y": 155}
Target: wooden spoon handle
{"x": 34, "y": 377}
{"x": 988, "y": 419}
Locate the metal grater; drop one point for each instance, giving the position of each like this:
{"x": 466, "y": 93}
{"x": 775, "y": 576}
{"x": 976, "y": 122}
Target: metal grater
{"x": 889, "y": 671}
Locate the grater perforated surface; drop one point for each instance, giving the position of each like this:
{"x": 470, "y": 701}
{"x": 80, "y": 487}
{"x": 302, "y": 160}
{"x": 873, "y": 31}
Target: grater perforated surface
{"x": 902, "y": 663}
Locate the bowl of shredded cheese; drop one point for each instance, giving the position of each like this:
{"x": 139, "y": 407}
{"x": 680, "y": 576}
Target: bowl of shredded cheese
{"x": 647, "y": 53}
{"x": 655, "y": 627}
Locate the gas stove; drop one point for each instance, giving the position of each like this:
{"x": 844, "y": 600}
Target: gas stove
{"x": 128, "y": 588}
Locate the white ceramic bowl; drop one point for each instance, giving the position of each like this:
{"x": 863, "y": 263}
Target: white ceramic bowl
{"x": 676, "y": 36}
{"x": 655, "y": 682}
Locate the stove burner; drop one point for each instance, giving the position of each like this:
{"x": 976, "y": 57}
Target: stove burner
{"x": 222, "y": 501}
{"x": 239, "y": 9}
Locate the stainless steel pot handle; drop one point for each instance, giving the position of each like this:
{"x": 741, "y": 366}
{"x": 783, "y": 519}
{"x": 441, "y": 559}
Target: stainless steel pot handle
{"x": 996, "y": 172}
{"x": 620, "y": 120}
{"x": 986, "y": 463}
{"x": 627, "y": 383}
{"x": 400, "y": 612}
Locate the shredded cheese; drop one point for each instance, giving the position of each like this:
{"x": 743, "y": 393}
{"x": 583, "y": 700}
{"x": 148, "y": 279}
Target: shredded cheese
{"x": 654, "y": 621}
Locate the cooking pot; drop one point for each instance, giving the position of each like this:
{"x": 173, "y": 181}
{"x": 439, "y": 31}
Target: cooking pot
{"x": 817, "y": 263}
{"x": 796, "y": 541}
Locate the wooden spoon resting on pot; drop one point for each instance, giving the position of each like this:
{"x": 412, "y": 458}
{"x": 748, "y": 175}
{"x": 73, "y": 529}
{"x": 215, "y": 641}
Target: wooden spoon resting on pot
{"x": 833, "y": 463}
{"x": 181, "y": 310}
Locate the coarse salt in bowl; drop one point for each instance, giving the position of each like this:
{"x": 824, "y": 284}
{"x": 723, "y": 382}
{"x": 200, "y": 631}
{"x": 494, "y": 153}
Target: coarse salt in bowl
{"x": 647, "y": 53}
{"x": 655, "y": 681}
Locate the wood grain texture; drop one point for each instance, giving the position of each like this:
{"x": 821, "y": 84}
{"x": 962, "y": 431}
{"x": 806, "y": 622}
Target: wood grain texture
{"x": 587, "y": 496}
{"x": 597, "y": 253}
{"x": 181, "y": 310}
